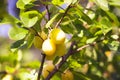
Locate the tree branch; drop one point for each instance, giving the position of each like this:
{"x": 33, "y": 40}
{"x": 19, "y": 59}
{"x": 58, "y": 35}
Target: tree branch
{"x": 62, "y": 16}
{"x": 41, "y": 66}
{"x": 48, "y": 13}
{"x": 64, "y": 58}
{"x": 70, "y": 52}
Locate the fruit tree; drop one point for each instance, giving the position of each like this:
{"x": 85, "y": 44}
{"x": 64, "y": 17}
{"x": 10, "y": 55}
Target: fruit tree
{"x": 74, "y": 40}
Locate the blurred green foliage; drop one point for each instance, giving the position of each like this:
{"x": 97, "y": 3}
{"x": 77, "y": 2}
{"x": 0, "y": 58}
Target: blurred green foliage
{"x": 98, "y": 21}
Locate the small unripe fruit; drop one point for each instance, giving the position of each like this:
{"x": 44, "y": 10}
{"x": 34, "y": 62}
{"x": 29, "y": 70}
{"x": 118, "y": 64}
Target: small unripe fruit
{"x": 67, "y": 75}
{"x": 57, "y": 35}
{"x": 38, "y": 42}
{"x": 7, "y": 77}
{"x": 47, "y": 69}
{"x": 48, "y": 47}
{"x": 60, "y": 49}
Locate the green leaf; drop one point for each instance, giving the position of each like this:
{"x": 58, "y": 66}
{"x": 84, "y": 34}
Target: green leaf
{"x": 113, "y": 45}
{"x": 78, "y": 24}
{"x": 33, "y": 64}
{"x": 103, "y": 4}
{"x": 20, "y": 4}
{"x": 17, "y": 33}
{"x": 70, "y": 1}
{"x": 29, "y": 18}
{"x": 70, "y": 25}
{"x": 8, "y": 19}
{"x": 9, "y": 69}
{"x": 68, "y": 28}
{"x": 73, "y": 63}
{"x": 114, "y": 2}
{"x": 105, "y": 29}
{"x": 105, "y": 25}
{"x": 26, "y": 1}
{"x": 82, "y": 15}
{"x": 56, "y": 60}
{"x": 30, "y": 5}
{"x": 30, "y": 39}
{"x": 81, "y": 34}
{"x": 115, "y": 37}
{"x": 37, "y": 26}
{"x": 55, "y": 77}
{"x": 91, "y": 40}
{"x": 50, "y": 22}
{"x": 57, "y": 2}
{"x": 17, "y": 43}
{"x": 10, "y": 58}
{"x": 91, "y": 14}
{"x": 113, "y": 17}
{"x": 17, "y": 55}
{"x": 98, "y": 32}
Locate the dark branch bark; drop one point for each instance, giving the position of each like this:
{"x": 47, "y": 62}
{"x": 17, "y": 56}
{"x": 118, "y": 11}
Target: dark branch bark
{"x": 41, "y": 66}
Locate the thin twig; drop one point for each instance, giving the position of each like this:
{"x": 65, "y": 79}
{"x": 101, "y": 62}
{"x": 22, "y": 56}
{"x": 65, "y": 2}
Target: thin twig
{"x": 62, "y": 16}
{"x": 48, "y": 13}
{"x": 41, "y": 66}
{"x": 36, "y": 33}
{"x": 87, "y": 45}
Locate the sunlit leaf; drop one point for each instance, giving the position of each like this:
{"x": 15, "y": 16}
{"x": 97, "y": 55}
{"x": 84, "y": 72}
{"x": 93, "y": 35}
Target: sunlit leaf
{"x": 20, "y": 4}
{"x": 29, "y": 18}
{"x": 57, "y": 2}
{"x": 51, "y": 20}
{"x": 9, "y": 69}
{"x": 82, "y": 15}
{"x": 27, "y": 1}
{"x": 114, "y": 2}
{"x": 103, "y": 4}
{"x": 33, "y": 64}
{"x": 114, "y": 18}
{"x": 17, "y": 33}
{"x": 105, "y": 25}
{"x": 115, "y": 36}
{"x": 91, "y": 40}
{"x": 23, "y": 3}
{"x": 70, "y": 1}
{"x": 55, "y": 77}
{"x": 113, "y": 45}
